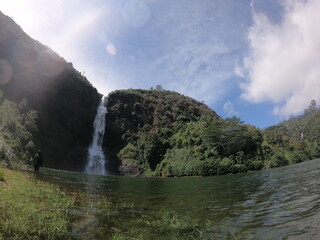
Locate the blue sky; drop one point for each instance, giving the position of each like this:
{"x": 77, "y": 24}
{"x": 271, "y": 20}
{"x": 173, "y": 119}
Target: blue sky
{"x": 258, "y": 60}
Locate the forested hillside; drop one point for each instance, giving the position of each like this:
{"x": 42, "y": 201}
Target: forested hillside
{"x": 65, "y": 102}
{"x": 299, "y": 137}
{"x": 162, "y": 133}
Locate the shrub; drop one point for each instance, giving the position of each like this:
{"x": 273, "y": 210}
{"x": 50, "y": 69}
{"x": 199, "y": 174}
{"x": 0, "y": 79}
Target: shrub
{"x": 256, "y": 165}
{"x": 225, "y": 166}
{"x": 129, "y": 153}
{"x": 2, "y": 175}
{"x": 277, "y": 160}
{"x": 239, "y": 168}
{"x": 294, "y": 157}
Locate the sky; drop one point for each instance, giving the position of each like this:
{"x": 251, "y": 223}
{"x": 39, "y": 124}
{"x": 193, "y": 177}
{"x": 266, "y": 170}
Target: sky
{"x": 255, "y": 59}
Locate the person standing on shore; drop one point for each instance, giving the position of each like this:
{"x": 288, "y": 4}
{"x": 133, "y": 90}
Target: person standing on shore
{"x": 37, "y": 161}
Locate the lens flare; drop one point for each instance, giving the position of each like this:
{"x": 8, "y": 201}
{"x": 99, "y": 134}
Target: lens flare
{"x": 111, "y": 49}
{"x": 6, "y": 72}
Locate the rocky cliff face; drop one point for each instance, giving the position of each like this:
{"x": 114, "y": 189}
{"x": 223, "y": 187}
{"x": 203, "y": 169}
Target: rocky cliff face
{"x": 65, "y": 101}
{"x": 139, "y": 116}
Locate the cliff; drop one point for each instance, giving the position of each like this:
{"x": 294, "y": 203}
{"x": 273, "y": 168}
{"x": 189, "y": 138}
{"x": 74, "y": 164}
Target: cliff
{"x": 65, "y": 101}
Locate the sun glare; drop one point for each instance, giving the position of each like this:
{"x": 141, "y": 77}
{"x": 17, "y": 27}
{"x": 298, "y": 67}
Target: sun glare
{"x": 19, "y": 12}
{"x": 111, "y": 49}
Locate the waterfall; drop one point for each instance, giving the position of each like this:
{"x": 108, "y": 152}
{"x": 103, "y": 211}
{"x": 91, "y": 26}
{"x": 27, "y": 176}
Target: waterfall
{"x": 96, "y": 159}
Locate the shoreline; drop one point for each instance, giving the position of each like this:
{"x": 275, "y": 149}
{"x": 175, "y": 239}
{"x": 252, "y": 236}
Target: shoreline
{"x": 33, "y": 209}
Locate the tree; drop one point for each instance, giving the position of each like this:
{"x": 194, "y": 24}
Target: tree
{"x": 311, "y": 108}
{"x": 16, "y": 128}
{"x": 277, "y": 135}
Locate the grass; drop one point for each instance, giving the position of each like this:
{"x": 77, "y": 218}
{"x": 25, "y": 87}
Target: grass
{"x": 124, "y": 221}
{"x": 32, "y": 209}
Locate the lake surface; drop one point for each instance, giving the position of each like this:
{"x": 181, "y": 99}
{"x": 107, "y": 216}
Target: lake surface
{"x": 282, "y": 203}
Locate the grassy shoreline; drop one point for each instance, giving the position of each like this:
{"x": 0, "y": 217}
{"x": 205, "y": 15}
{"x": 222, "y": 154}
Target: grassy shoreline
{"x": 32, "y": 209}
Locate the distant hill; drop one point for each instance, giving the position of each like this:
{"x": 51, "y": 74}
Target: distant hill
{"x": 163, "y": 133}
{"x": 149, "y": 130}
{"x": 134, "y": 110}
{"x": 305, "y": 126}
{"x": 65, "y": 101}
{"x": 295, "y": 140}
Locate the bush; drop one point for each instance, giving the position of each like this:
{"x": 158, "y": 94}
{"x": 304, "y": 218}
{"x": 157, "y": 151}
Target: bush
{"x": 129, "y": 153}
{"x": 240, "y": 168}
{"x": 256, "y": 165}
{"x": 277, "y": 160}
{"x": 226, "y": 166}
{"x": 294, "y": 157}
{"x": 1, "y": 175}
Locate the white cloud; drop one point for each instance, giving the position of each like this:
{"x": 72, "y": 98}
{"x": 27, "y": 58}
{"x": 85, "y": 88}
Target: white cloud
{"x": 198, "y": 41}
{"x": 229, "y": 109}
{"x": 239, "y": 70}
{"x": 284, "y": 65}
{"x": 197, "y": 71}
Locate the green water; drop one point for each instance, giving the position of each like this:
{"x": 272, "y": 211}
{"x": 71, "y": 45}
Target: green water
{"x": 282, "y": 203}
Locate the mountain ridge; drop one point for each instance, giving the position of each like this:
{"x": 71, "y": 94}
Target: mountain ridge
{"x": 65, "y": 100}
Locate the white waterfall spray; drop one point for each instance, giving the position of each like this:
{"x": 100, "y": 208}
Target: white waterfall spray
{"x": 96, "y": 158}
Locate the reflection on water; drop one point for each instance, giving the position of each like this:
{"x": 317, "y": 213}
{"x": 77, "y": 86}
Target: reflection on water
{"x": 271, "y": 204}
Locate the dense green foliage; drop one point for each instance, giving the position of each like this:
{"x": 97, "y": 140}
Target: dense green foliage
{"x": 132, "y": 111}
{"x": 141, "y": 123}
{"x": 16, "y": 128}
{"x": 298, "y": 138}
{"x": 167, "y": 134}
{"x": 32, "y": 209}
{"x": 212, "y": 147}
